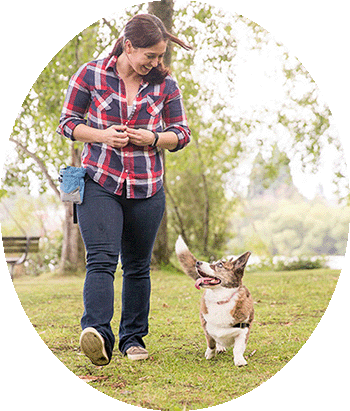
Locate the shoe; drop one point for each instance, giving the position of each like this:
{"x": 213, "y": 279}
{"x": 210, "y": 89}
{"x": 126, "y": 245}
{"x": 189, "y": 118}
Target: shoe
{"x": 92, "y": 344}
{"x": 137, "y": 353}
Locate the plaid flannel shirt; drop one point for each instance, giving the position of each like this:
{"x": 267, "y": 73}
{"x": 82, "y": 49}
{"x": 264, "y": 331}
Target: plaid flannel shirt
{"x": 96, "y": 90}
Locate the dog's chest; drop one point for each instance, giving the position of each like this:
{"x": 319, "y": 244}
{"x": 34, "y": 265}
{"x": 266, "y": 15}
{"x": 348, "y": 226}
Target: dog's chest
{"x": 219, "y": 309}
{"x": 219, "y": 319}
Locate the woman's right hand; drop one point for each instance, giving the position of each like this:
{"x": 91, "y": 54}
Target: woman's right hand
{"x": 115, "y": 136}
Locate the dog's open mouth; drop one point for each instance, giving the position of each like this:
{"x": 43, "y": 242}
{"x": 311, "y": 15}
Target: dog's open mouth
{"x": 204, "y": 280}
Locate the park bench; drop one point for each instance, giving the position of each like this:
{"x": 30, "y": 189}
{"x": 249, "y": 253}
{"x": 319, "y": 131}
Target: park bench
{"x": 17, "y": 249}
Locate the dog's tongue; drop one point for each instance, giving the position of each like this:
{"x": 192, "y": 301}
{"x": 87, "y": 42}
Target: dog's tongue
{"x": 204, "y": 280}
{"x": 198, "y": 283}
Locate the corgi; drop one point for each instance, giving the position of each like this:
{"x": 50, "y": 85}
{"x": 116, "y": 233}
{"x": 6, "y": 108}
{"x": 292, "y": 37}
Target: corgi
{"x": 226, "y": 310}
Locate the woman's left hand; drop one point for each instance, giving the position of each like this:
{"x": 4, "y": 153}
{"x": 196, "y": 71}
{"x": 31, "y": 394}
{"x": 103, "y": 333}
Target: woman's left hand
{"x": 140, "y": 137}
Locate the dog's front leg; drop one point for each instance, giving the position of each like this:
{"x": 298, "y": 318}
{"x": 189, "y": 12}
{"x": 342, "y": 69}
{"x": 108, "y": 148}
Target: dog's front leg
{"x": 211, "y": 347}
{"x": 220, "y": 348}
{"x": 211, "y": 343}
{"x": 239, "y": 348}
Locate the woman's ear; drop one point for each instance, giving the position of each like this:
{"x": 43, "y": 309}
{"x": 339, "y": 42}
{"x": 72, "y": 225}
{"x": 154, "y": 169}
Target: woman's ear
{"x": 128, "y": 46}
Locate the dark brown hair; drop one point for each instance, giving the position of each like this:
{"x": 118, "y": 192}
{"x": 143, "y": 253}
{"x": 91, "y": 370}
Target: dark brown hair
{"x": 143, "y": 31}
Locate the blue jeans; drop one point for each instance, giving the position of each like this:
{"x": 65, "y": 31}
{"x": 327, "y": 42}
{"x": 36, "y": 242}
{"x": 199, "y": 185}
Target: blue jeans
{"x": 113, "y": 225}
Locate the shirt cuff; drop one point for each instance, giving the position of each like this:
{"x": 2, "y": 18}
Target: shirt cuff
{"x": 66, "y": 128}
{"x": 183, "y": 135}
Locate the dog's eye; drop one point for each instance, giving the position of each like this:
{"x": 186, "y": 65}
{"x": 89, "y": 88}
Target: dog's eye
{"x": 220, "y": 265}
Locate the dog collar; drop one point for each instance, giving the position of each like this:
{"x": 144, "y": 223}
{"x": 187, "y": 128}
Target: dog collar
{"x": 241, "y": 325}
{"x": 226, "y": 301}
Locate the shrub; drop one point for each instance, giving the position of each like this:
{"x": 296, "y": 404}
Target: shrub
{"x": 280, "y": 263}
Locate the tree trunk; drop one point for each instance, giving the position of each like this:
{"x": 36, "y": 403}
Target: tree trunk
{"x": 161, "y": 254}
{"x": 163, "y": 9}
{"x": 69, "y": 255}
{"x": 73, "y": 251}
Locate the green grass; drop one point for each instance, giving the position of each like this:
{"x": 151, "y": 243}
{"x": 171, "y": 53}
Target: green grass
{"x": 288, "y": 307}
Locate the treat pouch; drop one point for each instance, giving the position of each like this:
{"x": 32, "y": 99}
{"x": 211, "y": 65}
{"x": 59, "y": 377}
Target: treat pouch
{"x": 72, "y": 184}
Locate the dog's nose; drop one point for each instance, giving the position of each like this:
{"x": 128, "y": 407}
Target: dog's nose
{"x": 198, "y": 263}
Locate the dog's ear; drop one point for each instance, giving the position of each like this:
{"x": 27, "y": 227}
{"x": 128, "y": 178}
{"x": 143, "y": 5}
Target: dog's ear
{"x": 241, "y": 261}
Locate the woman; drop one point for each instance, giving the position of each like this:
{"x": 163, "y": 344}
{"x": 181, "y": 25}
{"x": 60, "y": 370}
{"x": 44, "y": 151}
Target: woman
{"x": 134, "y": 109}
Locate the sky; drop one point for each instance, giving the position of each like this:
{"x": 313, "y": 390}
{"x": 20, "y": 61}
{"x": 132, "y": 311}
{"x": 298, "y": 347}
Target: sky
{"x": 259, "y": 86}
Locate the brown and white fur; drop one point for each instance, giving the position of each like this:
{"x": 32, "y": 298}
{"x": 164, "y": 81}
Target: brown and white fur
{"x": 226, "y": 302}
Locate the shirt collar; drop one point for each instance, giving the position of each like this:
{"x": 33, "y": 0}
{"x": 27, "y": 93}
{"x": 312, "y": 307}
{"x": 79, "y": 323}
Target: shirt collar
{"x": 112, "y": 64}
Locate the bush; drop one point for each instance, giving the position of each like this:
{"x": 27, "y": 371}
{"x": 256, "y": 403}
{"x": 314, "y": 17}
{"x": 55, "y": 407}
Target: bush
{"x": 299, "y": 263}
{"x": 48, "y": 257}
{"x": 279, "y": 263}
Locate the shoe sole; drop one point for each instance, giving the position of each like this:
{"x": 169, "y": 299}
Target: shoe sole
{"x": 93, "y": 346}
{"x": 140, "y": 356}
{"x": 137, "y": 357}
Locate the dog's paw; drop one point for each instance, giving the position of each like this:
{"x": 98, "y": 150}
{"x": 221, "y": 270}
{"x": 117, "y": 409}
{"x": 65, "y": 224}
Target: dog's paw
{"x": 209, "y": 353}
{"x": 220, "y": 349}
{"x": 240, "y": 362}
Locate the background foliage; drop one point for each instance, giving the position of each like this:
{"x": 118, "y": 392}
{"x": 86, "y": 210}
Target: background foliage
{"x": 207, "y": 182}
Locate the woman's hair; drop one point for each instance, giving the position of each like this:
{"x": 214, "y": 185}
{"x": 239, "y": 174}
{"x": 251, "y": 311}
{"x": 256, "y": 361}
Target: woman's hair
{"x": 143, "y": 31}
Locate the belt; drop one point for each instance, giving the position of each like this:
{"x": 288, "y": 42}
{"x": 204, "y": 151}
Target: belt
{"x": 241, "y": 325}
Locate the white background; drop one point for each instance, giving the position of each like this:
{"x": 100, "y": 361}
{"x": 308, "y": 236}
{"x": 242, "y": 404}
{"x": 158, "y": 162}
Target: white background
{"x": 318, "y": 33}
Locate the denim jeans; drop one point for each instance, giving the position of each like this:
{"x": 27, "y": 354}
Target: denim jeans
{"x": 113, "y": 226}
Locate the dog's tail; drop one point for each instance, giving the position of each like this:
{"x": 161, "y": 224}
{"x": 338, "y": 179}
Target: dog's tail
{"x": 187, "y": 260}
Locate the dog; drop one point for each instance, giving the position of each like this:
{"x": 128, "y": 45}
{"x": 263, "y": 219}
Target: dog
{"x": 227, "y": 310}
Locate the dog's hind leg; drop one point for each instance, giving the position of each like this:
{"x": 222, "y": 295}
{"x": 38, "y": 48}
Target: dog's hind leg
{"x": 239, "y": 348}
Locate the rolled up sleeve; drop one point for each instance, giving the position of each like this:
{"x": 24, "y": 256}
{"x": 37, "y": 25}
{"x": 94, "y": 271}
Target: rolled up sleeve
{"x": 175, "y": 117}
{"x": 76, "y": 104}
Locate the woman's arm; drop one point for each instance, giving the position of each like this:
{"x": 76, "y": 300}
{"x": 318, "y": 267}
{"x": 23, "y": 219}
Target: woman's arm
{"x": 114, "y": 136}
{"x": 75, "y": 105}
{"x": 174, "y": 116}
{"x": 141, "y": 137}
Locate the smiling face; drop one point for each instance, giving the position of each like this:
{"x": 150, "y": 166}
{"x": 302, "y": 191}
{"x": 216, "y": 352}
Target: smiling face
{"x": 143, "y": 60}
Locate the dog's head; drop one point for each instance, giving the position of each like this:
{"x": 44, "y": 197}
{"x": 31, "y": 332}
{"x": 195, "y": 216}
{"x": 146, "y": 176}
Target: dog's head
{"x": 227, "y": 274}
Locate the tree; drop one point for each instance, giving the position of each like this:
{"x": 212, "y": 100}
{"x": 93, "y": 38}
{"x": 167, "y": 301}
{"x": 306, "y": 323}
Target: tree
{"x": 41, "y": 152}
{"x": 164, "y": 10}
{"x": 202, "y": 180}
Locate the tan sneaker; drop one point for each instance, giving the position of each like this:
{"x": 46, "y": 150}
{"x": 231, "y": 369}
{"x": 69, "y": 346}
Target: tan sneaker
{"x": 92, "y": 344}
{"x": 137, "y": 353}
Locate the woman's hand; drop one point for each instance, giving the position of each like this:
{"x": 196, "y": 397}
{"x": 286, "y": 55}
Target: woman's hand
{"x": 120, "y": 136}
{"x": 140, "y": 137}
{"x": 115, "y": 136}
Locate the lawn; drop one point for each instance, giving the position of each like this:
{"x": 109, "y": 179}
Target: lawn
{"x": 288, "y": 307}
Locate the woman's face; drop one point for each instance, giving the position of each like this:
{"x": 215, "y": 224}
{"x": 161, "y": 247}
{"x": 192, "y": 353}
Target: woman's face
{"x": 142, "y": 60}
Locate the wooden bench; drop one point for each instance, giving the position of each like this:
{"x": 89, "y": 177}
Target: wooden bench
{"x": 17, "y": 249}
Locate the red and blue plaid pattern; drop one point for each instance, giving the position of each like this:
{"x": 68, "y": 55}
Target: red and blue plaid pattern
{"x": 96, "y": 96}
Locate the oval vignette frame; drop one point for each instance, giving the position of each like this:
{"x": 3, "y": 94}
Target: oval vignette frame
{"x": 41, "y": 381}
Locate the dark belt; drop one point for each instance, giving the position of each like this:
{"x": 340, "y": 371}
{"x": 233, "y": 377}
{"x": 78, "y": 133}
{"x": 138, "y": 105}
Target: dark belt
{"x": 241, "y": 325}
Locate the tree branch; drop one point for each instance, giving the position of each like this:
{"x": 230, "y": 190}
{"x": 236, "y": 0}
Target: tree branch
{"x": 178, "y": 215}
{"x": 39, "y": 163}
